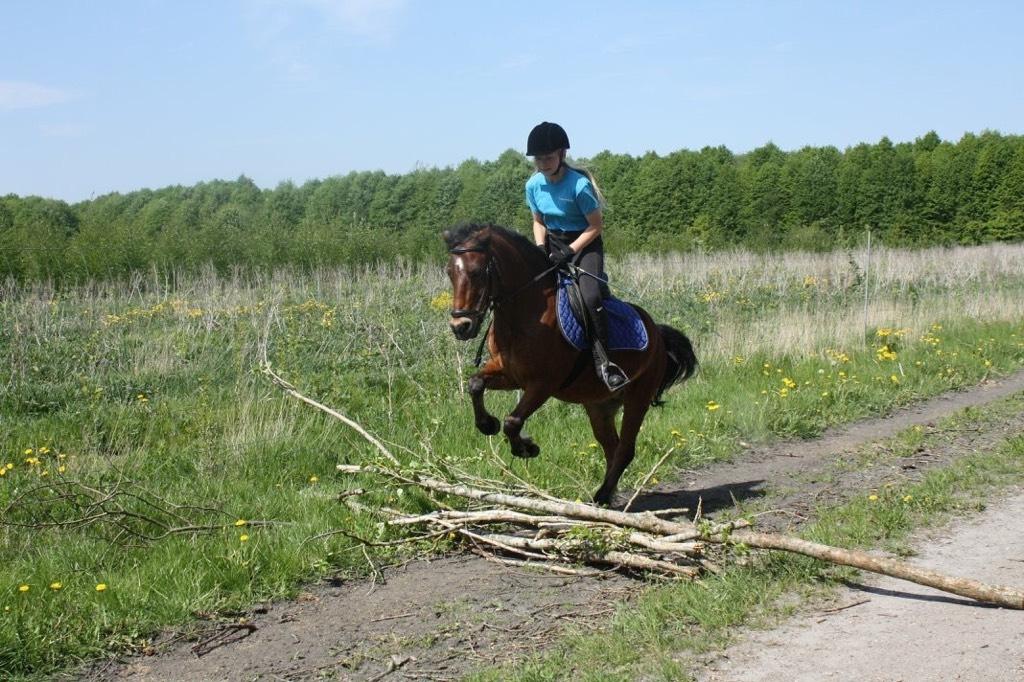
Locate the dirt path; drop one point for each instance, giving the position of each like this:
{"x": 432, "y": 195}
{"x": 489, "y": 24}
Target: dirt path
{"x": 442, "y": 618}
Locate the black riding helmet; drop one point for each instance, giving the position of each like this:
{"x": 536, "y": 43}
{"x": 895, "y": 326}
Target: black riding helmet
{"x": 546, "y": 138}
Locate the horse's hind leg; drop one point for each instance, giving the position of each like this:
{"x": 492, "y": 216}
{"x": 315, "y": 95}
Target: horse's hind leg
{"x": 632, "y": 417}
{"x": 602, "y": 423}
{"x": 522, "y": 445}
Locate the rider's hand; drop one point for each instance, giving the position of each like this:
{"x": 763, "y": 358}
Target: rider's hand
{"x": 560, "y": 253}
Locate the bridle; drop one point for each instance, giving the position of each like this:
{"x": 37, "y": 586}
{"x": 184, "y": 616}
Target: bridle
{"x": 487, "y": 300}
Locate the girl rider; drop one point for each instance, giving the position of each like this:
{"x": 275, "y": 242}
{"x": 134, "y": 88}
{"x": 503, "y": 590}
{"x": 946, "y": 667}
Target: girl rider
{"x": 567, "y": 224}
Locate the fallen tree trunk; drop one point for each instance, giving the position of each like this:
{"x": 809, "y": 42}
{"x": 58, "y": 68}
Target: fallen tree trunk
{"x": 964, "y": 587}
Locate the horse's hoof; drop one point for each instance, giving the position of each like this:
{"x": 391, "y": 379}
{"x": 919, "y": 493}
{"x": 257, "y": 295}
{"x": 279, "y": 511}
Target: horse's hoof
{"x": 527, "y": 449}
{"x": 603, "y": 498}
{"x": 489, "y": 426}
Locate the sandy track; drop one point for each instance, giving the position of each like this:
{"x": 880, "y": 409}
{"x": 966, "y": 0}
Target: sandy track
{"x": 892, "y": 631}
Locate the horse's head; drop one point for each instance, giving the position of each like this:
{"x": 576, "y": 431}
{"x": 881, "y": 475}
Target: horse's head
{"x": 471, "y": 269}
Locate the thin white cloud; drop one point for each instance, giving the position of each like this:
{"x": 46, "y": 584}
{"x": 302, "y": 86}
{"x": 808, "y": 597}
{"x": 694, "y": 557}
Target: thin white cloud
{"x": 21, "y": 95}
{"x": 520, "y": 61}
{"x": 274, "y": 25}
{"x": 369, "y": 19}
{"x": 62, "y": 130}
{"x": 366, "y": 18}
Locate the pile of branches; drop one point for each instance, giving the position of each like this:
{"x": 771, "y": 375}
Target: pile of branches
{"x": 555, "y": 534}
{"x": 562, "y": 535}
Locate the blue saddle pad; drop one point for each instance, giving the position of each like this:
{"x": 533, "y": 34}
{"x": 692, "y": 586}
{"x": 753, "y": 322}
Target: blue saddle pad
{"x": 626, "y": 330}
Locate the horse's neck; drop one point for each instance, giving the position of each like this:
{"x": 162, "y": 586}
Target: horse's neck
{"x": 518, "y": 271}
{"x": 524, "y": 298}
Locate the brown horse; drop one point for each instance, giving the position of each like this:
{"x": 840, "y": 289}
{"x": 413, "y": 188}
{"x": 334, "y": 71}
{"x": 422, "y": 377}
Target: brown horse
{"x": 492, "y": 268}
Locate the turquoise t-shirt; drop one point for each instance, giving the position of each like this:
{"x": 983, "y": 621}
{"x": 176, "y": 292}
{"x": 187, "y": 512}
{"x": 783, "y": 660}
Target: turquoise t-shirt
{"x": 564, "y": 204}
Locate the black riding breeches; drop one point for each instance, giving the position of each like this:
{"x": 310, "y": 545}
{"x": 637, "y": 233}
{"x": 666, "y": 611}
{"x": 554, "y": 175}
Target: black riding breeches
{"x": 594, "y": 290}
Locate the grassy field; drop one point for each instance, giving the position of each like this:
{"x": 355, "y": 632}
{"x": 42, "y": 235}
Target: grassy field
{"x": 151, "y": 472}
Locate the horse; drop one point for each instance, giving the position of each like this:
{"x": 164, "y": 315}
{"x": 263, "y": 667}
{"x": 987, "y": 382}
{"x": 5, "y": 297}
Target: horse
{"x": 492, "y": 268}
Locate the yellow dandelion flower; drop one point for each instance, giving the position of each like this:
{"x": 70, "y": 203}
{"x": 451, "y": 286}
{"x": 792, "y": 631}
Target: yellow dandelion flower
{"x": 908, "y": 498}
{"x": 712, "y": 406}
{"x": 28, "y": 451}
{"x": 243, "y": 538}
{"x": 101, "y": 587}
{"x": 894, "y": 379}
{"x": 241, "y": 522}
{"x": 313, "y": 479}
{"x": 441, "y": 301}
{"x": 56, "y": 585}
{"x": 873, "y": 497}
{"x": 789, "y": 383}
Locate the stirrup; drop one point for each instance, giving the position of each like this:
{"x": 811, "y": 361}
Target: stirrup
{"x": 613, "y": 376}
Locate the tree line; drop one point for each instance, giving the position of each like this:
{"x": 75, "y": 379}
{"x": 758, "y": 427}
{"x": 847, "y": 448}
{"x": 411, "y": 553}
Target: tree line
{"x": 926, "y": 192}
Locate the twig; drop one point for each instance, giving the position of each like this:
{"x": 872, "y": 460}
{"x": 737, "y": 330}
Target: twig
{"x": 847, "y": 606}
{"x": 650, "y": 474}
{"x": 222, "y": 637}
{"x": 292, "y": 391}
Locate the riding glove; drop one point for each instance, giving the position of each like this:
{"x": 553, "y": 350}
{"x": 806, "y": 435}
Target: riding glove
{"x": 560, "y": 252}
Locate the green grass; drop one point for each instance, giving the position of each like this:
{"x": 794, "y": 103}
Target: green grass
{"x": 655, "y": 635}
{"x": 141, "y": 388}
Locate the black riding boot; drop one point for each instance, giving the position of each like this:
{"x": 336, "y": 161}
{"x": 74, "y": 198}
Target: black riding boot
{"x": 610, "y": 373}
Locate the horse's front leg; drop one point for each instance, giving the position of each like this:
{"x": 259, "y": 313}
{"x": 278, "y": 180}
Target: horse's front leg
{"x": 489, "y": 377}
{"x": 522, "y": 445}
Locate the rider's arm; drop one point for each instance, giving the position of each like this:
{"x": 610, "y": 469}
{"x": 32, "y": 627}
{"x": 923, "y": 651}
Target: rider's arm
{"x": 540, "y": 230}
{"x": 595, "y": 223}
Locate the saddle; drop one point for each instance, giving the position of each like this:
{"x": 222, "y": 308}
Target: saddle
{"x": 626, "y": 330}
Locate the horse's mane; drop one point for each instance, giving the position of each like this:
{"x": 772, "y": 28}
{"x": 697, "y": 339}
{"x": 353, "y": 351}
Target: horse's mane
{"x": 462, "y": 233}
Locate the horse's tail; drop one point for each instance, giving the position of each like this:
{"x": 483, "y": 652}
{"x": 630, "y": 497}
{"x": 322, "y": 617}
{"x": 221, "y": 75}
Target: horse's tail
{"x": 681, "y": 361}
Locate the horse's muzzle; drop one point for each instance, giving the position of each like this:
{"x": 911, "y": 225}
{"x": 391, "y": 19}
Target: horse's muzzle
{"x": 465, "y": 328}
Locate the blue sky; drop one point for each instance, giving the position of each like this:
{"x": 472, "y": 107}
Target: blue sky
{"x": 117, "y": 95}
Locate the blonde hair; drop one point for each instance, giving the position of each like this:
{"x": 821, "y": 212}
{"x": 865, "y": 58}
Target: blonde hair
{"x": 593, "y": 181}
